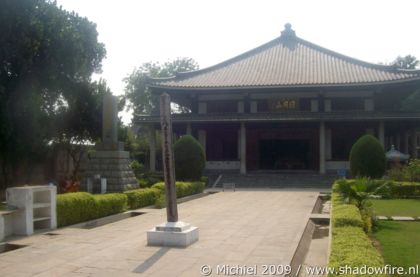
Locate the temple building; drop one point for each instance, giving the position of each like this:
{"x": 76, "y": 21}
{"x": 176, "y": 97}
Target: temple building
{"x": 289, "y": 105}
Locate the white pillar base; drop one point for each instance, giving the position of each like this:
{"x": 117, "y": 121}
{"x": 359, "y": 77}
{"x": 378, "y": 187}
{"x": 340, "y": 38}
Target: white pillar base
{"x": 172, "y": 234}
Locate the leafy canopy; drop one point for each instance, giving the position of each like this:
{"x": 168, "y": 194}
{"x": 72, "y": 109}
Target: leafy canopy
{"x": 406, "y": 62}
{"x": 138, "y": 96}
{"x": 47, "y": 57}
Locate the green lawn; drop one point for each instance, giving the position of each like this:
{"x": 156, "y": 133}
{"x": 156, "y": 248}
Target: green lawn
{"x": 395, "y": 207}
{"x": 2, "y": 207}
{"x": 400, "y": 242}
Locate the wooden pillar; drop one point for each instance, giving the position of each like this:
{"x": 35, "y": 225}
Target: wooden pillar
{"x": 406, "y": 142}
{"x": 398, "y": 142}
{"x": 152, "y": 148}
{"x": 381, "y": 133}
{"x": 168, "y": 158}
{"x": 322, "y": 168}
{"x": 202, "y": 140}
{"x": 413, "y": 142}
{"x": 189, "y": 129}
{"x": 243, "y": 148}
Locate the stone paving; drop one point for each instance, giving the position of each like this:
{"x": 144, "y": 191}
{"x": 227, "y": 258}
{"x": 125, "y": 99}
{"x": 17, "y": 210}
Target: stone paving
{"x": 236, "y": 228}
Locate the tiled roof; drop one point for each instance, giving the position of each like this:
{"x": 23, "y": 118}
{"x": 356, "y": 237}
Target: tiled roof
{"x": 287, "y": 61}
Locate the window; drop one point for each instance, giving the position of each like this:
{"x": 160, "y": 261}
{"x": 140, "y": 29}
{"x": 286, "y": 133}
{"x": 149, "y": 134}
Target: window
{"x": 222, "y": 106}
{"x": 347, "y": 104}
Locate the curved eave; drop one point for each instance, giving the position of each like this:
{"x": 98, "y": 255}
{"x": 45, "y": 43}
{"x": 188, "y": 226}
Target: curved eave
{"x": 203, "y": 88}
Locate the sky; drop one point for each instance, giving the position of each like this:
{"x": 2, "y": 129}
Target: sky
{"x": 211, "y": 31}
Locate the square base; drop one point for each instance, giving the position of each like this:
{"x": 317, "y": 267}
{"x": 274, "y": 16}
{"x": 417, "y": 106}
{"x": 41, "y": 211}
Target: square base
{"x": 172, "y": 234}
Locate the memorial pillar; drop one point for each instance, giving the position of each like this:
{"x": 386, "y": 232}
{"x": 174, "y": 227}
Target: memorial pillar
{"x": 173, "y": 232}
{"x": 168, "y": 158}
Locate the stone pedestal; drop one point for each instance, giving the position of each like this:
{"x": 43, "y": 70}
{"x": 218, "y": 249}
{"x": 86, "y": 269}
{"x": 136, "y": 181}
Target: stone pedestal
{"x": 114, "y": 166}
{"x": 172, "y": 234}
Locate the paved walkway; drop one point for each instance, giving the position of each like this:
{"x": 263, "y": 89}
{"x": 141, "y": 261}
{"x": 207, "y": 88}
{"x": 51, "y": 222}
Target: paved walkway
{"x": 236, "y": 228}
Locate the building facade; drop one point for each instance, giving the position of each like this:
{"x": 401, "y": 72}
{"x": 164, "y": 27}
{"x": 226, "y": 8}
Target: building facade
{"x": 289, "y": 105}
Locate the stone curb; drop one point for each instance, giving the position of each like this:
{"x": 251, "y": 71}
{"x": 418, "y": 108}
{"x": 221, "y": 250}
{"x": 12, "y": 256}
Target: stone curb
{"x": 397, "y": 218}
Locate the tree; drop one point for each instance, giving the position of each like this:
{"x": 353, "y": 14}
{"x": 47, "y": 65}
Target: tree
{"x": 79, "y": 121}
{"x": 138, "y": 96}
{"x": 47, "y": 57}
{"x": 367, "y": 158}
{"x": 407, "y": 62}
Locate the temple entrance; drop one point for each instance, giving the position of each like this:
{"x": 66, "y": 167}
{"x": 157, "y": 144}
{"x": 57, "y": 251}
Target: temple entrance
{"x": 285, "y": 154}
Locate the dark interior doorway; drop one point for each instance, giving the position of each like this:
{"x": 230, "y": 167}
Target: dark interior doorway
{"x": 284, "y": 154}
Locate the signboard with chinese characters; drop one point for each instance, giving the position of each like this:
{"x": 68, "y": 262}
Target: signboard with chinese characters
{"x": 283, "y": 104}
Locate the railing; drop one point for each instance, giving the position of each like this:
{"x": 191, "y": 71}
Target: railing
{"x": 285, "y": 116}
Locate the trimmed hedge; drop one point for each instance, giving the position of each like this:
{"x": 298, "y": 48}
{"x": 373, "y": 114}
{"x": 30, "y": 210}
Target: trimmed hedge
{"x": 183, "y": 188}
{"x": 139, "y": 198}
{"x": 78, "y": 207}
{"x": 75, "y": 207}
{"x": 405, "y": 191}
{"x": 350, "y": 246}
{"x": 393, "y": 189}
{"x": 111, "y": 203}
{"x": 346, "y": 215}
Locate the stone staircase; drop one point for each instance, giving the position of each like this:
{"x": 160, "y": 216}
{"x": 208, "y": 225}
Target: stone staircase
{"x": 273, "y": 180}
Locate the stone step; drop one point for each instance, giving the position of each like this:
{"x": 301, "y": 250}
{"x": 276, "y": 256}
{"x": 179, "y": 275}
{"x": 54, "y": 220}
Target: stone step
{"x": 274, "y": 180}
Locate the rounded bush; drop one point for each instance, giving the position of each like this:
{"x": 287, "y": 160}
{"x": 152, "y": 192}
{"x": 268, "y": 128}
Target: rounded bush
{"x": 189, "y": 159}
{"x": 367, "y": 158}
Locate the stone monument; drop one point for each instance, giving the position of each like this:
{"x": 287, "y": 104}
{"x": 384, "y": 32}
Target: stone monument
{"x": 110, "y": 161}
{"x": 173, "y": 232}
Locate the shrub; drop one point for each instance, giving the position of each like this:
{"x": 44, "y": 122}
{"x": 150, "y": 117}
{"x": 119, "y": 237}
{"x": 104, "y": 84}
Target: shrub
{"x": 139, "y": 198}
{"x": 351, "y": 247}
{"x": 346, "y": 215}
{"x": 160, "y": 186}
{"x": 182, "y": 189}
{"x": 111, "y": 203}
{"x": 78, "y": 207}
{"x": 137, "y": 168}
{"x": 160, "y": 201}
{"x": 405, "y": 190}
{"x": 189, "y": 159}
{"x": 367, "y": 158}
{"x": 148, "y": 179}
{"x": 411, "y": 171}
{"x": 75, "y": 207}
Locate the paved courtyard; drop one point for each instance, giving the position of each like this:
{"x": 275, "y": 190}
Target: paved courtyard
{"x": 236, "y": 228}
